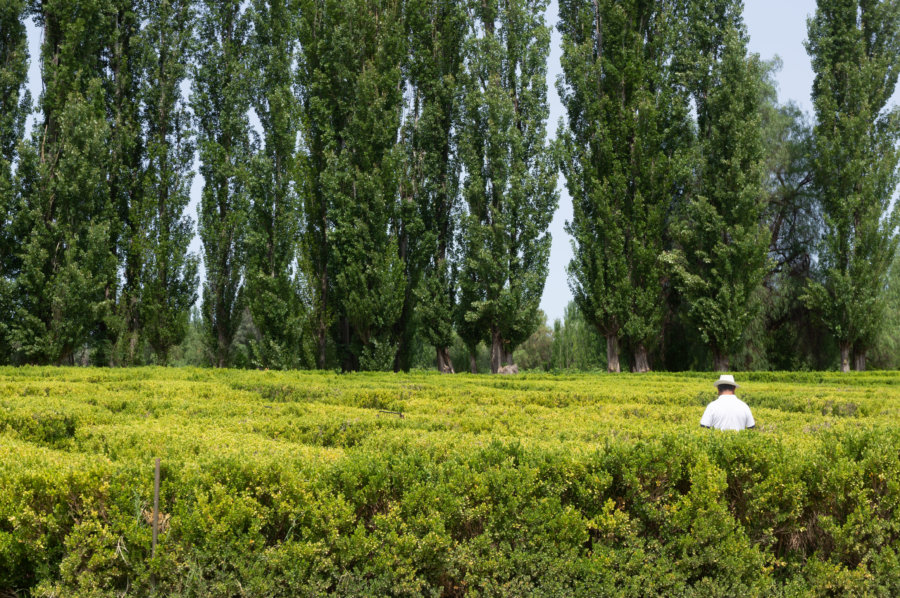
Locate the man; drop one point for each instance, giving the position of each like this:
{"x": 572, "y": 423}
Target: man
{"x": 727, "y": 412}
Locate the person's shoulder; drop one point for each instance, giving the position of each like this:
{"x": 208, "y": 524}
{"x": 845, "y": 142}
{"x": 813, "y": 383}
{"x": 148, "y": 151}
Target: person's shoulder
{"x": 743, "y": 407}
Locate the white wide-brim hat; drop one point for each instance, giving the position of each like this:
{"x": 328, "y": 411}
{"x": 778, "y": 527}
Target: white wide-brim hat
{"x": 726, "y": 379}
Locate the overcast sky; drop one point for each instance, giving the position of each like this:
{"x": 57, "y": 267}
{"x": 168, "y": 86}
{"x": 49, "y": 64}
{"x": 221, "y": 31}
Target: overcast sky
{"x": 776, "y": 27}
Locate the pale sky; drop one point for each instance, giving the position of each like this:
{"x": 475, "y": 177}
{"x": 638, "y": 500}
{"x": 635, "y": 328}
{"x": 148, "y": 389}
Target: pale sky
{"x": 776, "y": 27}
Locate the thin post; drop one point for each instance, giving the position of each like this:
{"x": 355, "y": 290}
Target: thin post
{"x": 155, "y": 509}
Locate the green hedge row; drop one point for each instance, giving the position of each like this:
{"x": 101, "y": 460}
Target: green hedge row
{"x": 699, "y": 514}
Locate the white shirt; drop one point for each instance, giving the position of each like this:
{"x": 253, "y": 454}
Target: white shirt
{"x": 727, "y": 413}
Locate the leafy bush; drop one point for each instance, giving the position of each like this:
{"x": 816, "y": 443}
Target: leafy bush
{"x": 307, "y": 484}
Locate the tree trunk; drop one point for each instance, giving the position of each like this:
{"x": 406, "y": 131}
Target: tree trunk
{"x": 321, "y": 275}
{"x": 859, "y": 361}
{"x": 720, "y": 361}
{"x": 496, "y": 350}
{"x": 403, "y": 329}
{"x": 845, "y": 356}
{"x": 445, "y": 366}
{"x": 612, "y": 354}
{"x": 320, "y": 344}
{"x": 473, "y": 364}
{"x": 641, "y": 359}
{"x": 507, "y": 356}
{"x": 222, "y": 346}
{"x": 348, "y": 361}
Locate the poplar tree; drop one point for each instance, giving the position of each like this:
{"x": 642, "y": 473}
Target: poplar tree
{"x": 510, "y": 176}
{"x": 722, "y": 240}
{"x": 124, "y": 165}
{"x": 221, "y": 102}
{"x": 430, "y": 189}
{"x": 68, "y": 269}
{"x": 273, "y": 226}
{"x": 15, "y": 103}
{"x": 855, "y": 51}
{"x": 318, "y": 120}
{"x": 623, "y": 157}
{"x": 352, "y": 94}
{"x": 162, "y": 231}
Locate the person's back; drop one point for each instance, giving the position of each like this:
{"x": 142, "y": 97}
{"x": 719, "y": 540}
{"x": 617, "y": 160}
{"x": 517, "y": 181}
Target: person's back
{"x": 727, "y": 412}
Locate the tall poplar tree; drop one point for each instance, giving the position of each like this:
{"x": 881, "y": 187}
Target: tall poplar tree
{"x": 351, "y": 84}
{"x": 162, "y": 231}
{"x": 317, "y": 122}
{"x": 855, "y": 51}
{"x": 15, "y": 102}
{"x": 722, "y": 240}
{"x": 221, "y": 102}
{"x": 66, "y": 285}
{"x": 124, "y": 164}
{"x": 430, "y": 190}
{"x": 273, "y": 226}
{"x": 623, "y": 157}
{"x": 510, "y": 176}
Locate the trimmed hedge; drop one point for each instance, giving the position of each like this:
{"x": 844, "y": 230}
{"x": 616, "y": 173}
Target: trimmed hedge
{"x": 303, "y": 484}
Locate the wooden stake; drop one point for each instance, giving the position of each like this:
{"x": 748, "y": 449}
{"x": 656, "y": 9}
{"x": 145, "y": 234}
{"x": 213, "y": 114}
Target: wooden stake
{"x": 155, "y": 509}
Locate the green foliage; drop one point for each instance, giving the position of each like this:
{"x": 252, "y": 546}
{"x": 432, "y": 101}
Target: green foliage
{"x": 576, "y": 343}
{"x": 351, "y": 94}
{"x": 66, "y": 288}
{"x": 785, "y": 335}
{"x": 623, "y": 154}
{"x": 168, "y": 273}
{"x": 285, "y": 484}
{"x": 272, "y": 291}
{"x": 13, "y": 73}
{"x": 430, "y": 186}
{"x": 192, "y": 350}
{"x": 535, "y": 352}
{"x": 111, "y": 157}
{"x": 221, "y": 99}
{"x": 435, "y": 309}
{"x": 470, "y": 358}
{"x": 855, "y": 51}
{"x": 317, "y": 120}
{"x": 722, "y": 242}
{"x": 469, "y": 328}
{"x": 393, "y": 211}
{"x": 886, "y": 352}
{"x": 119, "y": 339}
{"x": 15, "y": 103}
{"x": 510, "y": 178}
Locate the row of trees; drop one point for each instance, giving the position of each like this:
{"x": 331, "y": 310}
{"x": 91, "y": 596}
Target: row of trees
{"x": 94, "y": 235}
{"x": 377, "y": 179}
{"x": 374, "y": 171}
{"x": 695, "y": 194}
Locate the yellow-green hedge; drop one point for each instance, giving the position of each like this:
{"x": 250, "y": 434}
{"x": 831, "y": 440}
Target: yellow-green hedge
{"x": 304, "y": 484}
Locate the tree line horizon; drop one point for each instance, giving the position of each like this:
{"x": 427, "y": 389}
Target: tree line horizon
{"x": 396, "y": 195}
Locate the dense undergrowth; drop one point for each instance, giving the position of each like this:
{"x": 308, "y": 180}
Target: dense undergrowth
{"x": 306, "y": 484}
